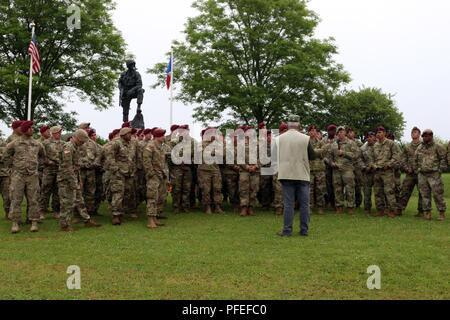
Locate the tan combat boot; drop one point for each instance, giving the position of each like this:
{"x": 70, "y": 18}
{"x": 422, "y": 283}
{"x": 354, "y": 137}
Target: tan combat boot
{"x": 34, "y": 226}
{"x": 15, "y": 228}
{"x": 279, "y": 211}
{"x": 250, "y": 211}
{"x": 427, "y": 216}
{"x": 441, "y": 216}
{"x": 243, "y": 212}
{"x": 151, "y": 223}
{"x": 116, "y": 221}
{"x": 392, "y": 214}
{"x": 218, "y": 210}
{"x": 208, "y": 210}
{"x": 92, "y": 224}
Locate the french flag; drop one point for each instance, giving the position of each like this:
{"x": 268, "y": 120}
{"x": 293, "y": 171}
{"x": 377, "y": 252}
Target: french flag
{"x": 169, "y": 71}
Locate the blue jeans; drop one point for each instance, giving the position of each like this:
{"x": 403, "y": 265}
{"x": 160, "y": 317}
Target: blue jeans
{"x": 292, "y": 191}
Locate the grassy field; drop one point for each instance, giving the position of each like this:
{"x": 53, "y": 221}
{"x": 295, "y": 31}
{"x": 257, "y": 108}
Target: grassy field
{"x": 228, "y": 257}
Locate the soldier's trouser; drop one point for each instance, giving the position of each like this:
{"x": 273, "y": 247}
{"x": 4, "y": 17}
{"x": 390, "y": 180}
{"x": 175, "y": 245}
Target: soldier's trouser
{"x": 384, "y": 185}
{"x": 231, "y": 181}
{"x": 265, "y": 191}
{"x": 344, "y": 188}
{"x": 141, "y": 186}
{"x": 277, "y": 193}
{"x": 210, "y": 183}
{"x": 71, "y": 199}
{"x": 20, "y": 186}
{"x": 410, "y": 181}
{"x": 4, "y": 190}
{"x": 431, "y": 184}
{"x": 330, "y": 188}
{"x": 106, "y": 186}
{"x": 248, "y": 188}
{"x": 162, "y": 195}
{"x": 99, "y": 192}
{"x": 129, "y": 200}
{"x": 368, "y": 179}
{"x": 182, "y": 181}
{"x": 88, "y": 185}
{"x": 318, "y": 188}
{"x": 50, "y": 188}
{"x": 120, "y": 186}
{"x": 126, "y": 102}
{"x": 155, "y": 190}
{"x": 358, "y": 187}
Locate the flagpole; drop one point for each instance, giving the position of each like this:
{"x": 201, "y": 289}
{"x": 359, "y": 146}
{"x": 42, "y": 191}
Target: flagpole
{"x": 30, "y": 87}
{"x": 171, "y": 89}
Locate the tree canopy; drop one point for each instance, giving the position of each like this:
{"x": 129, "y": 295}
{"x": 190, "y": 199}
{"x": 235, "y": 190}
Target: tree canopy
{"x": 255, "y": 60}
{"x": 85, "y": 61}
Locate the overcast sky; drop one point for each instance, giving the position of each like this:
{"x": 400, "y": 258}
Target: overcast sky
{"x": 401, "y": 46}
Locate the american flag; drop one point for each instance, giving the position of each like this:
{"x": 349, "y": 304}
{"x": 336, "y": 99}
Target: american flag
{"x": 34, "y": 53}
{"x": 169, "y": 73}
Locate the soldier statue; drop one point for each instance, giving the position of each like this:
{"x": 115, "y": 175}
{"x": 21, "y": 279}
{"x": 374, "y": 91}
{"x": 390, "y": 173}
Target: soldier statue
{"x": 130, "y": 85}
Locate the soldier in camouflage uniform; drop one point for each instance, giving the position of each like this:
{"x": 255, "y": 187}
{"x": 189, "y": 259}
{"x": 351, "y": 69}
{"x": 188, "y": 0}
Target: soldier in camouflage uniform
{"x": 265, "y": 194}
{"x": 249, "y": 174}
{"x": 209, "y": 176}
{"x": 411, "y": 179}
{"x": 45, "y": 135}
{"x": 154, "y": 164}
{"x": 351, "y": 135}
{"x": 4, "y": 179}
{"x": 231, "y": 173}
{"x": 318, "y": 187}
{"x": 330, "y": 198}
{"x": 53, "y": 147}
{"x": 343, "y": 154}
{"x": 122, "y": 159}
{"x": 430, "y": 162}
{"x": 367, "y": 170}
{"x": 386, "y": 159}
{"x": 24, "y": 154}
{"x": 69, "y": 183}
{"x": 397, "y": 172}
{"x": 98, "y": 197}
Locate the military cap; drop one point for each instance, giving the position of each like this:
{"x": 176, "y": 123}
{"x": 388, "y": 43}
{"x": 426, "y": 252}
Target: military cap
{"x": 26, "y": 125}
{"x": 125, "y": 131}
{"x": 283, "y": 127}
{"x": 55, "y": 129}
{"x": 67, "y": 137}
{"x": 261, "y": 125}
{"x": 147, "y": 131}
{"x": 427, "y": 132}
{"x": 111, "y": 136}
{"x": 133, "y": 131}
{"x": 349, "y": 129}
{"x": 43, "y": 129}
{"x": 340, "y": 129}
{"x": 158, "y": 133}
{"x": 126, "y": 124}
{"x": 173, "y": 127}
{"x": 331, "y": 127}
{"x": 16, "y": 124}
{"x": 81, "y": 135}
{"x": 91, "y": 132}
{"x": 381, "y": 129}
{"x": 294, "y": 118}
{"x": 85, "y": 125}
{"x": 116, "y": 132}
{"x": 415, "y": 129}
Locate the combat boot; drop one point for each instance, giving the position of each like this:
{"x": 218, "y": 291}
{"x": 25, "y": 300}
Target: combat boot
{"x": 34, "y": 226}
{"x": 427, "y": 216}
{"x": 208, "y": 210}
{"x": 441, "y": 216}
{"x": 66, "y": 228}
{"x": 339, "y": 210}
{"x": 243, "y": 212}
{"x": 279, "y": 211}
{"x": 151, "y": 224}
{"x": 250, "y": 211}
{"x": 15, "y": 228}
{"x": 92, "y": 224}
{"x": 116, "y": 221}
{"x": 392, "y": 214}
{"x": 381, "y": 213}
{"x": 41, "y": 216}
{"x": 218, "y": 210}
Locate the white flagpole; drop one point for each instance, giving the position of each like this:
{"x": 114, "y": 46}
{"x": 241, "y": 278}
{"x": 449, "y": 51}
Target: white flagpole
{"x": 171, "y": 89}
{"x": 30, "y": 88}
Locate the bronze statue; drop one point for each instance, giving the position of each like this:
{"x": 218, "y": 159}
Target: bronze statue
{"x": 130, "y": 85}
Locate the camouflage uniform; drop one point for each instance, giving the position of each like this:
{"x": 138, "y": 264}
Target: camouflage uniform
{"x": 53, "y": 150}
{"x": 386, "y": 158}
{"x": 131, "y": 198}
{"x": 430, "y": 161}
{"x": 122, "y": 160}
{"x": 248, "y": 182}
{"x": 411, "y": 179}
{"x": 154, "y": 165}
{"x": 318, "y": 187}
{"x": 89, "y": 161}
{"x": 343, "y": 173}
{"x": 265, "y": 194}
{"x": 24, "y": 155}
{"x": 106, "y": 166}
{"x": 330, "y": 198}
{"x": 277, "y": 193}
{"x": 368, "y": 176}
{"x": 358, "y": 173}
{"x": 4, "y": 179}
{"x": 181, "y": 177}
{"x": 231, "y": 177}
{"x": 99, "y": 171}
{"x": 141, "y": 183}
{"x": 69, "y": 185}
{"x": 210, "y": 181}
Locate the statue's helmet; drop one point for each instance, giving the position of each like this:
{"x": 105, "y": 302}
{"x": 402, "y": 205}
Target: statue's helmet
{"x": 131, "y": 64}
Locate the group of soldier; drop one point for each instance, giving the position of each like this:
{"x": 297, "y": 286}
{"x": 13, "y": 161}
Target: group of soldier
{"x": 76, "y": 174}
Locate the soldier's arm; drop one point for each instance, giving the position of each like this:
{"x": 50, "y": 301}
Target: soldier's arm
{"x": 147, "y": 160}
{"x": 112, "y": 157}
{"x": 396, "y": 156}
{"x": 42, "y": 154}
{"x": 442, "y": 157}
{"x": 9, "y": 154}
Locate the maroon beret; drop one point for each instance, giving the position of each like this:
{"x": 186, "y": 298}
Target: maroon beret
{"x": 26, "y": 125}
{"x": 43, "y": 129}
{"x": 126, "y": 125}
{"x": 147, "y": 131}
{"x": 116, "y": 132}
{"x": 91, "y": 132}
{"x": 111, "y": 136}
{"x": 331, "y": 127}
{"x": 381, "y": 129}
{"x": 158, "y": 133}
{"x": 16, "y": 124}
{"x": 185, "y": 127}
{"x": 174, "y": 127}
{"x": 283, "y": 127}
{"x": 261, "y": 126}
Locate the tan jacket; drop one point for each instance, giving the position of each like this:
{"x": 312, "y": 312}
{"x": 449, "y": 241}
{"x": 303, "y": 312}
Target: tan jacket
{"x": 292, "y": 156}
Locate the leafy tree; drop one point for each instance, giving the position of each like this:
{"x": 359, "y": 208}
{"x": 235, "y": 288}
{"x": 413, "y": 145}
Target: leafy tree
{"x": 365, "y": 110}
{"x": 84, "y": 61}
{"x": 254, "y": 60}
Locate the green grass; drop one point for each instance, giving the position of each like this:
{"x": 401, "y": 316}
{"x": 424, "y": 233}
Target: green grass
{"x": 227, "y": 257}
